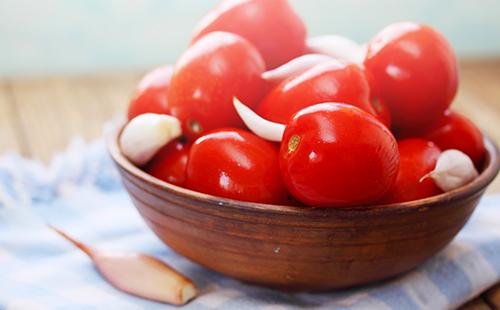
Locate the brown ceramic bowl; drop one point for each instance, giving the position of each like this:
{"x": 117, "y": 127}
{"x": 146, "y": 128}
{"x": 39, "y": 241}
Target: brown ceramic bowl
{"x": 302, "y": 248}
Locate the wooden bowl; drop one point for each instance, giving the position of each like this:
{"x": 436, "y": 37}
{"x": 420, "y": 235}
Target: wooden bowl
{"x": 302, "y": 248}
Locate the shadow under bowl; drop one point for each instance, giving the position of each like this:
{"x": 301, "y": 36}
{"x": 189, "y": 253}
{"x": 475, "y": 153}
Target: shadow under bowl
{"x": 302, "y": 248}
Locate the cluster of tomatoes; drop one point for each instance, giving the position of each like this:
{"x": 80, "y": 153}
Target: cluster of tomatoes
{"x": 355, "y": 133}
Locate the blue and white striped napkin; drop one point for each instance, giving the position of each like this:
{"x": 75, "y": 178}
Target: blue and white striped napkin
{"x": 81, "y": 193}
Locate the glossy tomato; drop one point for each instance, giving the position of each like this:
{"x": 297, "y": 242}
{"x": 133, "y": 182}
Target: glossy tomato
{"x": 381, "y": 111}
{"x": 170, "y": 163}
{"x": 336, "y": 155}
{"x": 271, "y": 25}
{"x": 332, "y": 81}
{"x": 151, "y": 93}
{"x": 418, "y": 157}
{"x": 208, "y": 75}
{"x": 236, "y": 164}
{"x": 456, "y": 131}
{"x": 414, "y": 70}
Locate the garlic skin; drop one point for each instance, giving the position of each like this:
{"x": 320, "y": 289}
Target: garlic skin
{"x": 293, "y": 67}
{"x": 453, "y": 170}
{"x": 144, "y": 276}
{"x": 138, "y": 274}
{"x": 146, "y": 134}
{"x": 338, "y": 47}
{"x": 263, "y": 128}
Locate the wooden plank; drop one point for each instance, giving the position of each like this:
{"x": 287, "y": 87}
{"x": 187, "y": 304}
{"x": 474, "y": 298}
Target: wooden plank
{"x": 479, "y": 96}
{"x": 54, "y": 110}
{"x": 492, "y": 296}
{"x": 476, "y": 304}
{"x": 479, "y": 99}
{"x": 12, "y": 137}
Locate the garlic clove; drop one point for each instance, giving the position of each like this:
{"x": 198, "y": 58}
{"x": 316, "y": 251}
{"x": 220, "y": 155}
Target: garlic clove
{"x": 261, "y": 127}
{"x": 453, "y": 170}
{"x": 338, "y": 47}
{"x": 138, "y": 274}
{"x": 145, "y": 134}
{"x": 294, "y": 67}
{"x": 144, "y": 276}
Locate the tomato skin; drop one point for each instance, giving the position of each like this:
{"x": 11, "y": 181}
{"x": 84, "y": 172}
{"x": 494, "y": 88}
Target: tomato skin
{"x": 418, "y": 157}
{"x": 208, "y": 75}
{"x": 271, "y": 25}
{"x": 332, "y": 81}
{"x": 382, "y": 111}
{"x": 344, "y": 156}
{"x": 170, "y": 163}
{"x": 235, "y": 163}
{"x": 151, "y": 93}
{"x": 456, "y": 131}
{"x": 414, "y": 70}
{"x": 378, "y": 103}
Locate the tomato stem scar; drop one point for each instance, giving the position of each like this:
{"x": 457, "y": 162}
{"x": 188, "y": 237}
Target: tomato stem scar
{"x": 194, "y": 126}
{"x": 293, "y": 143}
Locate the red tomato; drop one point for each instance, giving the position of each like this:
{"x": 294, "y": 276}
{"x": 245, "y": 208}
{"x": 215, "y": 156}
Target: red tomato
{"x": 455, "y": 131}
{"x": 418, "y": 157}
{"x": 271, "y": 25}
{"x": 381, "y": 111}
{"x": 151, "y": 93}
{"x": 414, "y": 70}
{"x": 336, "y": 155}
{"x": 332, "y": 81}
{"x": 379, "y": 105}
{"x": 236, "y": 164}
{"x": 170, "y": 163}
{"x": 208, "y": 75}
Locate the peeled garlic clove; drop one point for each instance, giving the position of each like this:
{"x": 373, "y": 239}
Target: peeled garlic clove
{"x": 338, "y": 47}
{"x": 293, "y": 67}
{"x": 261, "y": 127}
{"x": 453, "y": 170}
{"x": 146, "y": 134}
{"x": 145, "y": 276}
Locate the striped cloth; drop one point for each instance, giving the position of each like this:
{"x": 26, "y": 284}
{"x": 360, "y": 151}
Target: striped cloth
{"x": 81, "y": 193}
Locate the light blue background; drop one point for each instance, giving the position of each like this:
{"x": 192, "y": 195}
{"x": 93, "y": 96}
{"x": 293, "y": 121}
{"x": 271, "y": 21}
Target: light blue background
{"x": 40, "y": 37}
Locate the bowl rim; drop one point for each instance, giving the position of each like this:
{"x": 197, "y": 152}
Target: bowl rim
{"x": 487, "y": 175}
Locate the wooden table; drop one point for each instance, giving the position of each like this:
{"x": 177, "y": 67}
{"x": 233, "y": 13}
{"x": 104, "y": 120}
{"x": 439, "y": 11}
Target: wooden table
{"x": 39, "y": 116}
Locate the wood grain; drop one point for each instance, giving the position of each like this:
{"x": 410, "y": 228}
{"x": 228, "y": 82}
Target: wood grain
{"x": 12, "y": 136}
{"x": 52, "y": 111}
